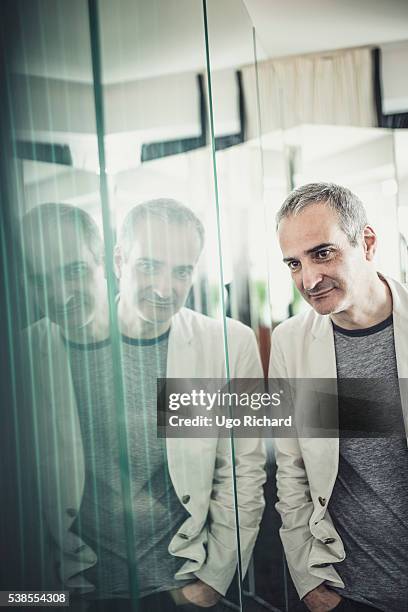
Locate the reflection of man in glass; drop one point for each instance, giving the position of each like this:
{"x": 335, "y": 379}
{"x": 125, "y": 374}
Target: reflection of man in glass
{"x": 184, "y": 506}
{"x": 64, "y": 272}
{"x": 64, "y": 260}
{"x": 343, "y": 502}
{"x": 159, "y": 245}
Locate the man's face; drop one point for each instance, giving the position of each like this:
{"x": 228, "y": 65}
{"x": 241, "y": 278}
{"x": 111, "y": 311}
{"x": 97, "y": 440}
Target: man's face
{"x": 328, "y": 271}
{"x": 67, "y": 281}
{"x": 156, "y": 276}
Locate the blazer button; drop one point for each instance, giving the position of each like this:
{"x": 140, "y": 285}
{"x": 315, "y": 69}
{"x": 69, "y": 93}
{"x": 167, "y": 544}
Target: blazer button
{"x": 183, "y": 536}
{"x": 71, "y": 512}
{"x": 329, "y": 540}
{"x": 185, "y": 499}
{"x": 321, "y": 565}
{"x": 322, "y": 501}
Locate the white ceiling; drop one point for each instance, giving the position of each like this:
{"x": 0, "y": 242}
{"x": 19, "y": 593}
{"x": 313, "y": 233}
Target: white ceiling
{"x": 144, "y": 38}
{"x": 292, "y": 27}
{"x": 139, "y": 38}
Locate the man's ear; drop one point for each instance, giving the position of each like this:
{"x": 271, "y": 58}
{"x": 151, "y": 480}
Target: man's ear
{"x": 117, "y": 261}
{"x": 370, "y": 242}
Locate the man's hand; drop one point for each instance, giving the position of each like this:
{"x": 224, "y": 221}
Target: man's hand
{"x": 200, "y": 594}
{"x": 321, "y": 599}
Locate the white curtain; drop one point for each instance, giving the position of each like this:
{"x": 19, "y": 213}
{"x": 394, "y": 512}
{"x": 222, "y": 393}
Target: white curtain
{"x": 333, "y": 88}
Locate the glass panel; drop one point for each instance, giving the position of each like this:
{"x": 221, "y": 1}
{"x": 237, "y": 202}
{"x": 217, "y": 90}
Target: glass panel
{"x": 272, "y": 581}
{"x": 244, "y": 244}
{"x": 100, "y": 471}
{"x": 64, "y": 290}
{"x": 160, "y": 181}
{"x": 84, "y": 174}
{"x": 64, "y": 302}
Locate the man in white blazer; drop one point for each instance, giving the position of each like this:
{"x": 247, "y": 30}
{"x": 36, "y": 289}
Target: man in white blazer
{"x": 158, "y": 248}
{"x": 343, "y": 501}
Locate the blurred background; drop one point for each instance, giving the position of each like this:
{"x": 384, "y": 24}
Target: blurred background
{"x": 225, "y": 105}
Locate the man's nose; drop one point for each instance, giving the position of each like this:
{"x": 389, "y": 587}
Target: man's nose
{"x": 59, "y": 295}
{"x": 163, "y": 286}
{"x": 311, "y": 277}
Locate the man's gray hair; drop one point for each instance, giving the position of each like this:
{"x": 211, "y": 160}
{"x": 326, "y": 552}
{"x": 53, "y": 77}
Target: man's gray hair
{"x": 166, "y": 209}
{"x": 38, "y": 218}
{"x": 349, "y": 208}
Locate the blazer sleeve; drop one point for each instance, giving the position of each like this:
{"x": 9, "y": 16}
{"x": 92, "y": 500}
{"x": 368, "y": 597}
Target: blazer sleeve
{"x": 249, "y": 460}
{"x": 294, "y": 504}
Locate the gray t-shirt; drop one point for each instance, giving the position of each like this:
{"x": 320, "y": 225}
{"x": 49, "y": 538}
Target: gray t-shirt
{"x": 369, "y": 503}
{"x": 156, "y": 511}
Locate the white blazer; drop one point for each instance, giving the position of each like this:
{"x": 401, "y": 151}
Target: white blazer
{"x": 303, "y": 347}
{"x": 200, "y": 469}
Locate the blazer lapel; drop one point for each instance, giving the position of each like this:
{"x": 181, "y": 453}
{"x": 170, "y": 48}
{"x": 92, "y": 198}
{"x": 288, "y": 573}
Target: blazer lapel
{"x": 181, "y": 356}
{"x": 182, "y": 362}
{"x": 321, "y": 372}
{"x": 400, "y": 316}
{"x": 321, "y": 357}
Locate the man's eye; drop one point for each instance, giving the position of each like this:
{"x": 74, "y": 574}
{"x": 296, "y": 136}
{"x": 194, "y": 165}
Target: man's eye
{"x": 323, "y": 254}
{"x": 146, "y": 266}
{"x": 75, "y": 271}
{"x": 294, "y": 265}
{"x": 183, "y": 274}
